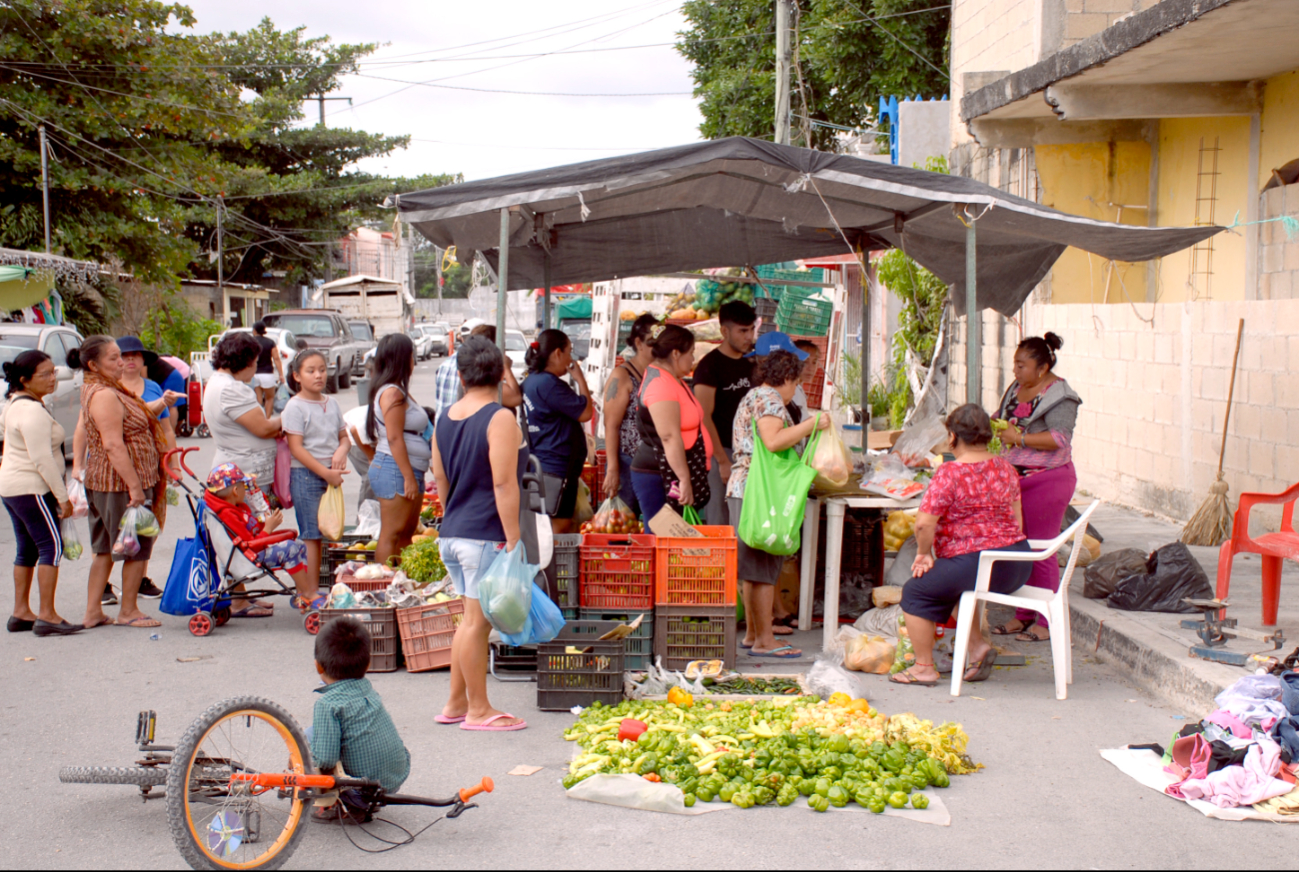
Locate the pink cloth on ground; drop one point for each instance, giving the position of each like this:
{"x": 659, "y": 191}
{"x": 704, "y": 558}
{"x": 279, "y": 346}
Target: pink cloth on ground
{"x": 1228, "y": 721}
{"x": 1191, "y": 755}
{"x": 1252, "y": 781}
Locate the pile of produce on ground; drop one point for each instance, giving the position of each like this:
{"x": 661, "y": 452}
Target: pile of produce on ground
{"x": 757, "y": 753}
{"x": 738, "y": 684}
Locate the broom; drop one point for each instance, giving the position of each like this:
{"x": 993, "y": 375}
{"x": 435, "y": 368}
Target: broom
{"x": 1211, "y": 525}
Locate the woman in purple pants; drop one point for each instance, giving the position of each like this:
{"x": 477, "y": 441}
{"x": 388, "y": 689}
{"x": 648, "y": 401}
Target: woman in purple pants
{"x": 1042, "y": 410}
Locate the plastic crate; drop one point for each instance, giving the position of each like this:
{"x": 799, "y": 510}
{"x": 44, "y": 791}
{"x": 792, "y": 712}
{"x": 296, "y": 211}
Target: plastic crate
{"x": 361, "y": 585}
{"x": 768, "y": 327}
{"x": 565, "y": 680}
{"x": 568, "y": 548}
{"x": 617, "y": 572}
{"x": 693, "y": 571}
{"x": 765, "y": 307}
{"x": 426, "y": 634}
{"x": 601, "y": 468}
{"x": 805, "y": 317}
{"x": 685, "y": 633}
{"x": 814, "y": 389}
{"x": 639, "y": 646}
{"x": 385, "y": 642}
{"x": 590, "y": 476}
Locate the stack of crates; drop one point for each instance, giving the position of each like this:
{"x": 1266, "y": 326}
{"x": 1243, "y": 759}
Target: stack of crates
{"x": 617, "y": 586}
{"x": 568, "y": 548}
{"x": 805, "y": 312}
{"x": 694, "y": 597}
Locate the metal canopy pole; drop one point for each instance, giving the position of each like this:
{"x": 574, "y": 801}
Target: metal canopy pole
{"x": 45, "y": 186}
{"x": 973, "y": 325}
{"x": 545, "y": 306}
{"x": 502, "y": 278}
{"x": 865, "y": 350}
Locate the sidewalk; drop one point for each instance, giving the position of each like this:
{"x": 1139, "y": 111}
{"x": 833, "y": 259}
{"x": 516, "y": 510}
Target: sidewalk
{"x": 1151, "y": 647}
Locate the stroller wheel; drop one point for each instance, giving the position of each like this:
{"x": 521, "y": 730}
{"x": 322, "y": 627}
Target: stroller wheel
{"x": 222, "y": 616}
{"x": 202, "y": 432}
{"x": 201, "y": 624}
{"x": 311, "y": 623}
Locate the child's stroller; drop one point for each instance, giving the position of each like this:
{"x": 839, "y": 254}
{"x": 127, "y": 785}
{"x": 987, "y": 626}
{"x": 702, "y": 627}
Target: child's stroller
{"x": 207, "y": 568}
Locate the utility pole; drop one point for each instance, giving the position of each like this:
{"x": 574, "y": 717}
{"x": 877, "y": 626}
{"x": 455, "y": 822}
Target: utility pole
{"x": 45, "y": 185}
{"x": 439, "y": 254}
{"x": 221, "y": 288}
{"x": 783, "y": 15}
{"x": 322, "y": 98}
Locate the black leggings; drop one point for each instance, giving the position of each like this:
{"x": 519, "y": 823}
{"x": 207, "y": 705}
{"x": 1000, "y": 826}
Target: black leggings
{"x": 36, "y": 527}
{"x": 933, "y": 595}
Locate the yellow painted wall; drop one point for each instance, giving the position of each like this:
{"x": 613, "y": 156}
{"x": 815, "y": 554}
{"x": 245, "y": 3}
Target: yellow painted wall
{"x": 1179, "y": 149}
{"x": 1093, "y": 180}
{"x": 1280, "y": 123}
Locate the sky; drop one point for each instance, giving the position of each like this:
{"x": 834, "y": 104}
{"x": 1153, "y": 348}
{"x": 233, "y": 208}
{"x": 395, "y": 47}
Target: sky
{"x": 489, "y": 44}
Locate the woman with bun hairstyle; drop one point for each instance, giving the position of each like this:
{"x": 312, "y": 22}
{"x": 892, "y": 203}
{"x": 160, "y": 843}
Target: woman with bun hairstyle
{"x": 1042, "y": 410}
{"x": 556, "y": 414}
{"x": 621, "y": 407}
{"x": 124, "y": 447}
{"x": 31, "y": 483}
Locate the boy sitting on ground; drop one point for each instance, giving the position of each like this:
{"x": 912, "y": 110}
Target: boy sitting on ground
{"x": 350, "y": 725}
{"x": 227, "y": 498}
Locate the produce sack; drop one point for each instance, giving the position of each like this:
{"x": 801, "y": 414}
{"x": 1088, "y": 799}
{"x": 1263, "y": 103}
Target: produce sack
{"x": 329, "y": 518}
{"x": 614, "y": 516}
{"x": 283, "y": 472}
{"x": 77, "y": 496}
{"x": 831, "y": 459}
{"x": 1087, "y": 555}
{"x": 72, "y": 547}
{"x": 869, "y": 654}
{"x": 505, "y": 591}
{"x": 1101, "y": 577}
{"x": 1172, "y": 573}
{"x": 544, "y": 622}
{"x": 775, "y": 494}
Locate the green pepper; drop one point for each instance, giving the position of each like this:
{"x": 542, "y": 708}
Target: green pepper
{"x": 786, "y": 796}
{"x": 689, "y": 800}
{"x": 763, "y": 794}
{"x": 690, "y": 785}
{"x": 876, "y": 805}
{"x": 570, "y": 780}
{"x": 821, "y": 787}
{"x": 919, "y": 800}
{"x": 670, "y": 774}
{"x": 897, "y": 799}
{"x": 727, "y": 793}
{"x": 644, "y": 740}
{"x": 647, "y": 763}
{"x": 862, "y": 798}
{"x": 819, "y": 803}
{"x": 807, "y": 786}
{"x": 942, "y": 780}
{"x": 838, "y": 743}
{"x": 834, "y": 773}
{"x": 894, "y": 760}
{"x": 878, "y": 750}
{"x": 705, "y": 793}
{"x": 743, "y": 799}
{"x": 838, "y": 796}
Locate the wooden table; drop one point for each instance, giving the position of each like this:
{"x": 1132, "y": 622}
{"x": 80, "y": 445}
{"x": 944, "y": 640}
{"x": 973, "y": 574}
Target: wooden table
{"x": 836, "y": 508}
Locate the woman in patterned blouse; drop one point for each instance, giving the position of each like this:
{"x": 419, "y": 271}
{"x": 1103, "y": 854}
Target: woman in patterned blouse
{"x": 972, "y": 505}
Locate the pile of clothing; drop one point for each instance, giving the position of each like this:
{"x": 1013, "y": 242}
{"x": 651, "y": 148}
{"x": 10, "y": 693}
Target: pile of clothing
{"x": 1246, "y": 752}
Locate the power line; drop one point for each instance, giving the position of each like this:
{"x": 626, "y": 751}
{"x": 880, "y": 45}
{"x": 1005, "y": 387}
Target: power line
{"x": 120, "y": 93}
{"x": 528, "y": 93}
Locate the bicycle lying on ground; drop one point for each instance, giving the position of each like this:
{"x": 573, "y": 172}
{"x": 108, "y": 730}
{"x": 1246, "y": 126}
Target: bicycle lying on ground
{"x": 239, "y": 785}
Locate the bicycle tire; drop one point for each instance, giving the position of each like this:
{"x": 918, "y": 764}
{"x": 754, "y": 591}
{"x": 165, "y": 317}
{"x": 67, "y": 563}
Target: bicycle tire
{"x": 140, "y": 776}
{"x": 180, "y": 817}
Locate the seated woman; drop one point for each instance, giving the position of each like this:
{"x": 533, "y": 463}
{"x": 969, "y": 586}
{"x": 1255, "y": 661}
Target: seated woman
{"x": 227, "y": 498}
{"x": 972, "y": 506}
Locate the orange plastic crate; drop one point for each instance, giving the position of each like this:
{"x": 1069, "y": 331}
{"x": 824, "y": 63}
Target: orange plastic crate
{"x": 426, "y": 633}
{"x": 696, "y": 572}
{"x": 617, "y": 571}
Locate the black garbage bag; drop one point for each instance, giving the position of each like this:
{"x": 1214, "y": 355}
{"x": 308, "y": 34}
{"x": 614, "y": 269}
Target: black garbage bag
{"x": 1172, "y": 573}
{"x": 1101, "y": 577}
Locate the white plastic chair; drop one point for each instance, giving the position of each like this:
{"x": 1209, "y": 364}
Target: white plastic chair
{"x": 1053, "y": 605}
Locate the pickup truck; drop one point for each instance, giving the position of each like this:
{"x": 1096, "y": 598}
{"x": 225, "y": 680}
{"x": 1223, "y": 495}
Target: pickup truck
{"x": 325, "y": 330}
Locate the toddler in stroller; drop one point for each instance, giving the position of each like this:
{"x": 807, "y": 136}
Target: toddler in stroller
{"x": 226, "y": 497}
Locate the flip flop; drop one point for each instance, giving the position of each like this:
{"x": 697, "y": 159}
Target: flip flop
{"x": 911, "y": 679}
{"x": 252, "y": 612}
{"x": 776, "y": 630}
{"x": 443, "y": 719}
{"x": 745, "y": 647}
{"x": 1000, "y": 629}
{"x": 486, "y": 726}
{"x": 983, "y": 667}
{"x": 775, "y": 652}
{"x": 1026, "y": 636}
{"x": 106, "y": 622}
{"x": 142, "y": 623}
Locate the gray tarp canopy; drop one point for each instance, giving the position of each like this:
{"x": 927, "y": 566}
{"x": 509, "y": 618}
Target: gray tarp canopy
{"x": 741, "y": 201}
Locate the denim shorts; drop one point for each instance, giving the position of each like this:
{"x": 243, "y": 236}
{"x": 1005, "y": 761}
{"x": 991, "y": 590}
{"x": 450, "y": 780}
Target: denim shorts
{"x": 386, "y": 480}
{"x": 466, "y": 560}
{"x": 306, "y": 488}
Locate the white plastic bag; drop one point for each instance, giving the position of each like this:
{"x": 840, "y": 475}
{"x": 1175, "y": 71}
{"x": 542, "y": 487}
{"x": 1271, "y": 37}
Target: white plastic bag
{"x": 919, "y": 438}
{"x": 77, "y": 496}
{"x": 831, "y": 459}
{"x": 367, "y": 519}
{"x": 72, "y": 547}
{"x": 505, "y": 590}
{"x": 632, "y": 791}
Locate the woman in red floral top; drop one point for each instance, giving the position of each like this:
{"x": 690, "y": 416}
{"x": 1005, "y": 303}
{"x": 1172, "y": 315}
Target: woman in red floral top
{"x": 972, "y": 505}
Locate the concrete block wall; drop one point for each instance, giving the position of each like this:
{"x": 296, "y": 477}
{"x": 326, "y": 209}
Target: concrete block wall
{"x": 1278, "y": 251}
{"x": 1154, "y": 383}
{"x": 1084, "y": 18}
{"x": 991, "y": 35}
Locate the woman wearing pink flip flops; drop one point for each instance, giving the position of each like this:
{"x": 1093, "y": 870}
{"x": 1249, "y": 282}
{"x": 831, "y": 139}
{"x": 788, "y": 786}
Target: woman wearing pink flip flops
{"x": 478, "y": 462}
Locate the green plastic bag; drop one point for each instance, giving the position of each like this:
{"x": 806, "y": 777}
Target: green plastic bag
{"x": 690, "y": 516}
{"x": 775, "y": 495}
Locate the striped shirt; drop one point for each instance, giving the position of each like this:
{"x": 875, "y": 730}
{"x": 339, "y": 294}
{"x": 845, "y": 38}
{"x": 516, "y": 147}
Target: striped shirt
{"x": 136, "y": 433}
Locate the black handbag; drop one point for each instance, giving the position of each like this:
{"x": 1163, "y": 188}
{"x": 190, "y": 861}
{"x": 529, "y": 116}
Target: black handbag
{"x": 696, "y": 464}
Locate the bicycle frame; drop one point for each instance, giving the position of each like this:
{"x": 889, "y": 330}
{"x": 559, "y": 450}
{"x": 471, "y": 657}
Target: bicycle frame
{"x": 261, "y": 782}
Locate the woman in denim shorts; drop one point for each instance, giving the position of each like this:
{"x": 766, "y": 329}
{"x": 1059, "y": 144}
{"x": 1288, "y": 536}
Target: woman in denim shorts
{"x": 397, "y": 473}
{"x": 478, "y": 463}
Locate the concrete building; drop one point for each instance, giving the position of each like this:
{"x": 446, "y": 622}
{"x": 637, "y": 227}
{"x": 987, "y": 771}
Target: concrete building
{"x": 233, "y": 304}
{"x": 378, "y": 253}
{"x": 1148, "y": 112}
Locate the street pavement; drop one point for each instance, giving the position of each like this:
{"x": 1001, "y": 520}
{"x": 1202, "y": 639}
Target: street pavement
{"x": 1045, "y": 798}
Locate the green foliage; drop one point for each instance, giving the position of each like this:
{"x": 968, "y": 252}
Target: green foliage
{"x": 845, "y": 63}
{"x": 175, "y": 330}
{"x": 457, "y": 278}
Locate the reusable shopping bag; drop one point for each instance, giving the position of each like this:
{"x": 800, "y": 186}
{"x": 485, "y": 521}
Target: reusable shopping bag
{"x": 189, "y": 584}
{"x": 331, "y": 514}
{"x": 775, "y": 494}
{"x": 505, "y": 592}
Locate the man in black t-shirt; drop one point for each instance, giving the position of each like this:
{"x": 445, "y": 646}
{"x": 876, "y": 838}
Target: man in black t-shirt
{"x": 270, "y": 371}
{"x": 721, "y": 381}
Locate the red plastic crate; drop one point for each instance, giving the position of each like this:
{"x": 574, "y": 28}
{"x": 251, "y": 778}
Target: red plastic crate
{"x": 601, "y": 468}
{"x": 426, "y": 634}
{"x": 617, "y": 571}
{"x": 814, "y": 389}
{"x": 693, "y": 571}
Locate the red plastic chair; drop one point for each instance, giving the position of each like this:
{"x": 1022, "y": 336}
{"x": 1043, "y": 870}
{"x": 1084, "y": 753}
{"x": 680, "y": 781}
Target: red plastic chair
{"x": 1272, "y": 547}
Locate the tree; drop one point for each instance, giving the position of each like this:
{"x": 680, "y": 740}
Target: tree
{"x": 848, "y": 53}
{"x": 457, "y": 278}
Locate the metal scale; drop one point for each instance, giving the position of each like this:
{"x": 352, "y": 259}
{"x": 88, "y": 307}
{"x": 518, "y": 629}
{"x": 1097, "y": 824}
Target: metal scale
{"x": 1214, "y": 629}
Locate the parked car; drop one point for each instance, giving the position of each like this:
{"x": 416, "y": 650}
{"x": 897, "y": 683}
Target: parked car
{"x": 284, "y": 341}
{"x": 423, "y": 341}
{"x": 328, "y": 331}
{"x": 516, "y": 347}
{"x": 56, "y": 341}
{"x": 439, "y": 339}
{"x": 365, "y": 340}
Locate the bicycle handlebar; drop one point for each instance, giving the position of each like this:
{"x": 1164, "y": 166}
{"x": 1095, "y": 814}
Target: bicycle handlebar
{"x": 484, "y": 786}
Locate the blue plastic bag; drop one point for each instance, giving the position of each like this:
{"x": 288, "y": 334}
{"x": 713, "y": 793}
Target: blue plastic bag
{"x": 505, "y": 591}
{"x": 189, "y": 584}
{"x": 545, "y": 620}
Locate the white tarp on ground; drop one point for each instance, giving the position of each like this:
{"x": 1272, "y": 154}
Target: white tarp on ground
{"x": 1146, "y": 767}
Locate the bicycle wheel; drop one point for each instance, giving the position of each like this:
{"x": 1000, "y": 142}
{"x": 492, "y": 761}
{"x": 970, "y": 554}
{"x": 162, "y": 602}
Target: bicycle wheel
{"x": 141, "y": 776}
{"x": 218, "y": 824}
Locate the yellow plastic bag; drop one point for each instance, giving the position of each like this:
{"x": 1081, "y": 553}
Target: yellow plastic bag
{"x": 869, "y": 654}
{"x": 831, "y": 459}
{"x": 331, "y": 514}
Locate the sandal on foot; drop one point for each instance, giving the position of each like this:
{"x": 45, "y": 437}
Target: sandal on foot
{"x": 252, "y": 612}
{"x": 787, "y": 621}
{"x": 1029, "y": 636}
{"x": 775, "y": 652}
{"x": 911, "y": 679}
{"x": 1003, "y": 630}
{"x": 443, "y": 719}
{"x": 143, "y": 623}
{"x": 983, "y": 668}
{"x": 487, "y": 725}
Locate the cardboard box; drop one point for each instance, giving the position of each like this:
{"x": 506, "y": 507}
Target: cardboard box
{"x": 669, "y": 523}
{"x": 882, "y": 440}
